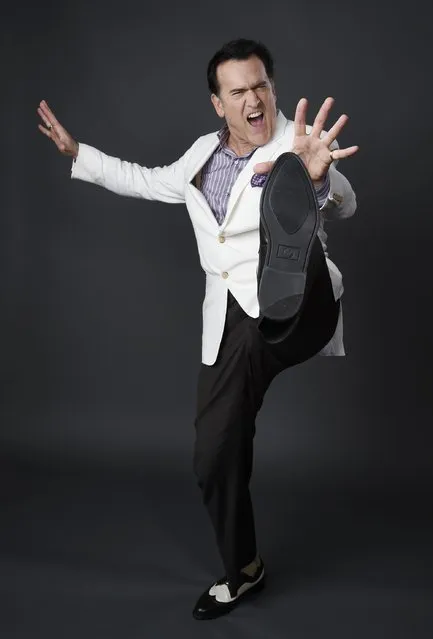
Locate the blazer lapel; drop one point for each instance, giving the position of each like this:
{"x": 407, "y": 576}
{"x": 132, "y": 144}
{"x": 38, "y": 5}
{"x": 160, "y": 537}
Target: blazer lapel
{"x": 194, "y": 178}
{"x": 203, "y": 157}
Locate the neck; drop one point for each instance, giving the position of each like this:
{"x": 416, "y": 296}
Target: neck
{"x": 238, "y": 147}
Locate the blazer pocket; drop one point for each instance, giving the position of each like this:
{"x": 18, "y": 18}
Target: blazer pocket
{"x": 258, "y": 179}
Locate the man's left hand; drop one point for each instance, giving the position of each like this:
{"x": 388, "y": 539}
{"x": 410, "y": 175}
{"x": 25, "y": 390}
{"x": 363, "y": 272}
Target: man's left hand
{"x": 313, "y": 150}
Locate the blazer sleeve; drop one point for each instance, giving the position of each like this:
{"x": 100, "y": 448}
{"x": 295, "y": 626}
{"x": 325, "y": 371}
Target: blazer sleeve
{"x": 341, "y": 200}
{"x": 166, "y": 183}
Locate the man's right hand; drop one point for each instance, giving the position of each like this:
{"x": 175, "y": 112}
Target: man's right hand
{"x": 64, "y": 142}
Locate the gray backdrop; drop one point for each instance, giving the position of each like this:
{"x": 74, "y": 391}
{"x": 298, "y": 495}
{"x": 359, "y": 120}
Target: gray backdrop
{"x": 101, "y": 316}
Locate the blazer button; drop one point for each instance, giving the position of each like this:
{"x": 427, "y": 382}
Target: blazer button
{"x": 225, "y": 275}
{"x": 221, "y": 238}
{"x": 336, "y": 198}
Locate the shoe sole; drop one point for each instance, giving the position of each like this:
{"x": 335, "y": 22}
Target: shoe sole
{"x": 289, "y": 215}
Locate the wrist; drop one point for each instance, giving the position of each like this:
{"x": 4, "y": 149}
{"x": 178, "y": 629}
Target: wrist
{"x": 320, "y": 184}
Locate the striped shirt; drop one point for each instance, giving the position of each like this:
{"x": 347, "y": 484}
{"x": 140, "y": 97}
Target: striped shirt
{"x": 220, "y": 173}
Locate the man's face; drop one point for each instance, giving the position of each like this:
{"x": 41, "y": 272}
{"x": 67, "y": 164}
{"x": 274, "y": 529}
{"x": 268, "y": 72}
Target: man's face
{"x": 244, "y": 90}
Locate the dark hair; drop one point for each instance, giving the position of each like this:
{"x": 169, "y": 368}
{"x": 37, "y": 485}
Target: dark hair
{"x": 238, "y": 50}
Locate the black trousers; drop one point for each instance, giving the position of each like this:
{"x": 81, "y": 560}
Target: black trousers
{"x": 229, "y": 395}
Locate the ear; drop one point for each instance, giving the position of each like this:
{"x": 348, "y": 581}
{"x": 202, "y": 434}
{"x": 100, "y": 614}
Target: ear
{"x": 273, "y": 89}
{"x": 217, "y": 105}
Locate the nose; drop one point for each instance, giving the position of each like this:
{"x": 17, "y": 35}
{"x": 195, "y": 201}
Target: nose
{"x": 252, "y": 98}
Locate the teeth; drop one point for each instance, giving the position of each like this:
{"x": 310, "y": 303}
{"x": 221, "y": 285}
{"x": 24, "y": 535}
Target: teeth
{"x": 254, "y": 115}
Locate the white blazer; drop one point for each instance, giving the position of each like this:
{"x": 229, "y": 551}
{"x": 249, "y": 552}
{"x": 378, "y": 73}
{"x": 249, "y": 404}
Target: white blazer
{"x": 228, "y": 253}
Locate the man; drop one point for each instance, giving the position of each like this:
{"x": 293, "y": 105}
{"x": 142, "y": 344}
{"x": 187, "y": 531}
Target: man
{"x": 257, "y": 192}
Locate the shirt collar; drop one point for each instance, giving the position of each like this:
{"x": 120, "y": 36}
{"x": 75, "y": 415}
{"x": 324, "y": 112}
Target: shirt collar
{"x": 223, "y": 135}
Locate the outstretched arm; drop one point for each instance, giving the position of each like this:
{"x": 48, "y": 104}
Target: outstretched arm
{"x": 165, "y": 184}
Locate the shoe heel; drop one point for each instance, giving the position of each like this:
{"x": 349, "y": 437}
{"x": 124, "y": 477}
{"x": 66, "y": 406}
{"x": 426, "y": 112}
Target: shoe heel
{"x": 281, "y": 293}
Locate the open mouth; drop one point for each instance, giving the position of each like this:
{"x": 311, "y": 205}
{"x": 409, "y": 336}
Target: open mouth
{"x": 256, "y": 118}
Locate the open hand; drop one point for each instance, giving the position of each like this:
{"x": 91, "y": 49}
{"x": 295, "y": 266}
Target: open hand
{"x": 62, "y": 139}
{"x": 313, "y": 150}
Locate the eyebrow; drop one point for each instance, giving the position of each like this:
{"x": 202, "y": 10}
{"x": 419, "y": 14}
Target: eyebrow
{"x": 256, "y": 86}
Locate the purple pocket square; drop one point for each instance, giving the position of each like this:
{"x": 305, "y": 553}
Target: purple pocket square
{"x": 259, "y": 179}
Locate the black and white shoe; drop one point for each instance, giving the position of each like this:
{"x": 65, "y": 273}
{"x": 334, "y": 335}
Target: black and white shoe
{"x": 220, "y": 598}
